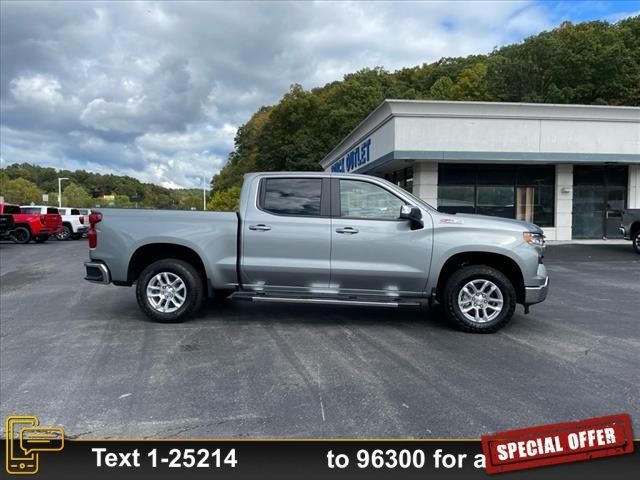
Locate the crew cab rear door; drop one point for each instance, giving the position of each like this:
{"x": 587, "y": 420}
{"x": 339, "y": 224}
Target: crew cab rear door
{"x": 286, "y": 235}
{"x": 374, "y": 251}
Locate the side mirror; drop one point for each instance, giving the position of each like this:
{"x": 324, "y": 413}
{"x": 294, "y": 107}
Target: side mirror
{"x": 413, "y": 214}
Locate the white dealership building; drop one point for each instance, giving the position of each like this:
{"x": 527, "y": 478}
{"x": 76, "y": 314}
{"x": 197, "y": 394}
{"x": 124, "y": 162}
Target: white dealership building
{"x": 571, "y": 169}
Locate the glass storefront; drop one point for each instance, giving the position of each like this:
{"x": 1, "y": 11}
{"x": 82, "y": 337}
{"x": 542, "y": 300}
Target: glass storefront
{"x": 599, "y": 196}
{"x": 524, "y": 192}
{"x": 403, "y": 178}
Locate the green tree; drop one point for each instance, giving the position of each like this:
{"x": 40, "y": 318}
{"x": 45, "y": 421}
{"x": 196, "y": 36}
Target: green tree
{"x": 74, "y": 196}
{"x": 20, "y": 191}
{"x": 225, "y": 200}
{"x": 441, "y": 89}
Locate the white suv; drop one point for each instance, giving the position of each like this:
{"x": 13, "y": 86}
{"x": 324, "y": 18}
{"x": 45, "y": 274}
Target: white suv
{"x": 74, "y": 224}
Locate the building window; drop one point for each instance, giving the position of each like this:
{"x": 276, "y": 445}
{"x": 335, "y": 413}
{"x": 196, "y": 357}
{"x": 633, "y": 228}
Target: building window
{"x": 524, "y": 192}
{"x": 402, "y": 178}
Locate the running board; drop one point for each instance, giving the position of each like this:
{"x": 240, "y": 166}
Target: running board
{"x": 324, "y": 301}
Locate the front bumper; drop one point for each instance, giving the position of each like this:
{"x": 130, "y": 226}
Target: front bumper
{"x": 536, "y": 294}
{"x": 623, "y": 231}
{"x": 97, "y": 273}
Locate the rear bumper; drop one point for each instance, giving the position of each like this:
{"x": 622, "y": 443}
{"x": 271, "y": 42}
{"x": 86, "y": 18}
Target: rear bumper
{"x": 536, "y": 294}
{"x": 83, "y": 229}
{"x": 97, "y": 272}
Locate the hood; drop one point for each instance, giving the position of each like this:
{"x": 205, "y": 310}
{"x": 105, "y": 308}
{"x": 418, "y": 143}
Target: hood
{"x": 470, "y": 219}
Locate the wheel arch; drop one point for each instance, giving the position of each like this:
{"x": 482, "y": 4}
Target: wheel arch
{"x": 145, "y": 255}
{"x": 500, "y": 262}
{"x": 23, "y": 224}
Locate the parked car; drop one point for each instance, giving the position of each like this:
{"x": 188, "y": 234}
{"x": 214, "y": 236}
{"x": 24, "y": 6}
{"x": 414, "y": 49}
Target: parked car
{"x": 73, "y": 224}
{"x": 6, "y": 226}
{"x": 630, "y": 227}
{"x": 85, "y": 212}
{"x": 302, "y": 237}
{"x": 32, "y": 222}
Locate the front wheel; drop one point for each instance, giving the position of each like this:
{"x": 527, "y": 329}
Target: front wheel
{"x": 636, "y": 242}
{"x": 169, "y": 291}
{"x": 479, "y": 299}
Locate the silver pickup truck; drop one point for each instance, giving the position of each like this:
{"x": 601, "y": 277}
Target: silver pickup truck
{"x": 630, "y": 227}
{"x": 322, "y": 238}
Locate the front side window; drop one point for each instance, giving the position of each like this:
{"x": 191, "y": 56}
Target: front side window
{"x": 292, "y": 196}
{"x": 365, "y": 200}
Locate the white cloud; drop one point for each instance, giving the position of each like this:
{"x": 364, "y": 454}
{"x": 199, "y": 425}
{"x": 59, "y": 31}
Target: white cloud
{"x": 38, "y": 89}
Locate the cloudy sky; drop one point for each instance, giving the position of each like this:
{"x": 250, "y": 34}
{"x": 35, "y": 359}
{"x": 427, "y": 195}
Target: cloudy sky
{"x": 156, "y": 90}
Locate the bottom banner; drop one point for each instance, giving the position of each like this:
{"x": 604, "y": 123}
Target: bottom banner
{"x": 287, "y": 459}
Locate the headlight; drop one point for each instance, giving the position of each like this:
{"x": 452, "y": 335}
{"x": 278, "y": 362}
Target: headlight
{"x": 535, "y": 239}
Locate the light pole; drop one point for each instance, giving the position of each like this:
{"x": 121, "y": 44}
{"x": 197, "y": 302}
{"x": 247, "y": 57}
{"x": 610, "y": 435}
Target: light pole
{"x": 60, "y": 179}
{"x": 204, "y": 193}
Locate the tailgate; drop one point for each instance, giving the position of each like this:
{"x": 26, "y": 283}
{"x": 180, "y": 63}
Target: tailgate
{"x": 53, "y": 222}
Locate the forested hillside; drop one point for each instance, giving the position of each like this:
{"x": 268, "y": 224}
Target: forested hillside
{"x": 587, "y": 63}
{"x": 25, "y": 183}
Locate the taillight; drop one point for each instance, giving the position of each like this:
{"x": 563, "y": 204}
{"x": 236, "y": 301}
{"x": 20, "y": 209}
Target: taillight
{"x": 43, "y": 219}
{"x": 92, "y": 235}
{"x": 81, "y": 218}
{"x": 95, "y": 217}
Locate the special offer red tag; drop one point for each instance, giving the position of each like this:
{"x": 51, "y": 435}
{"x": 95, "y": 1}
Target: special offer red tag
{"x": 558, "y": 443}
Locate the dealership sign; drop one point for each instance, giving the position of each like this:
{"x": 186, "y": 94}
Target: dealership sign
{"x": 354, "y": 159}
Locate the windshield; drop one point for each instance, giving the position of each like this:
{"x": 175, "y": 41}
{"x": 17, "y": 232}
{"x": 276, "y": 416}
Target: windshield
{"x": 30, "y": 209}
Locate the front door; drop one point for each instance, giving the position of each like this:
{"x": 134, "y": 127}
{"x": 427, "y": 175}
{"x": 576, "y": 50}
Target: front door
{"x": 599, "y": 197}
{"x": 286, "y": 238}
{"x": 374, "y": 251}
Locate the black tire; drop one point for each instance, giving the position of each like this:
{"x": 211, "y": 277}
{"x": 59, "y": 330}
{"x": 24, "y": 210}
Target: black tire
{"x": 76, "y": 236}
{"x": 41, "y": 238}
{"x": 636, "y": 242}
{"x": 194, "y": 296}
{"x": 21, "y": 235}
{"x": 65, "y": 234}
{"x": 459, "y": 280}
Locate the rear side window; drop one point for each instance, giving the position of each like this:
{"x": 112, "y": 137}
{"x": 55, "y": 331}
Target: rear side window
{"x": 292, "y": 196}
{"x": 52, "y": 210}
{"x": 75, "y": 211}
{"x": 11, "y": 209}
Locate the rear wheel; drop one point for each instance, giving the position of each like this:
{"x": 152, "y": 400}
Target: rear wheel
{"x": 169, "y": 291}
{"x": 65, "y": 233}
{"x": 636, "y": 242}
{"x": 21, "y": 235}
{"x": 479, "y": 299}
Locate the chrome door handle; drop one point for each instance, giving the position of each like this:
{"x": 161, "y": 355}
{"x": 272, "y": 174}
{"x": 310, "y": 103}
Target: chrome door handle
{"x": 260, "y": 227}
{"x": 347, "y": 230}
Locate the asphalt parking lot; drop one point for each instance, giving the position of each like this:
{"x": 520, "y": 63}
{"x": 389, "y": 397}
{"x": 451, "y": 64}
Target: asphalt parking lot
{"x": 83, "y": 356}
